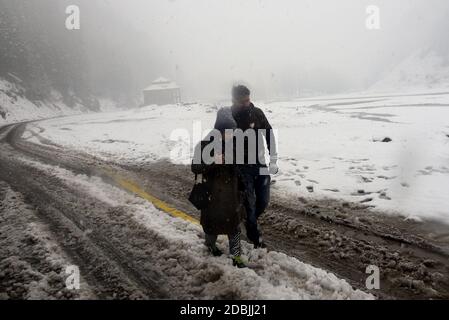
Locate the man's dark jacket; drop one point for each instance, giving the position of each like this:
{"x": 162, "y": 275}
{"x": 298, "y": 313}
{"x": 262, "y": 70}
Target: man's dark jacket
{"x": 253, "y": 118}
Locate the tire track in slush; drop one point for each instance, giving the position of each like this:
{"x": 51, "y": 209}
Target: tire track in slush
{"x": 87, "y": 239}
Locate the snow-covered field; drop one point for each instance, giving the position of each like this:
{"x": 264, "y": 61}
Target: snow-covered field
{"x": 329, "y": 147}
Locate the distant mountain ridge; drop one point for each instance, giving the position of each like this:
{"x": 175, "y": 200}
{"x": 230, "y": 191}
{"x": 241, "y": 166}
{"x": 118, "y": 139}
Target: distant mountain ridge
{"x": 425, "y": 69}
{"x": 40, "y": 56}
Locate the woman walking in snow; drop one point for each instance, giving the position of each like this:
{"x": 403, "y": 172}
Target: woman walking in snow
{"x": 225, "y": 208}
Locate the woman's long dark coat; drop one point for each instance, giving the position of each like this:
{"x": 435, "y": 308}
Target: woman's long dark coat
{"x": 225, "y": 210}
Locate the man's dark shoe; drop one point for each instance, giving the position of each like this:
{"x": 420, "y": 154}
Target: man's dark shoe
{"x": 260, "y": 245}
{"x": 215, "y": 251}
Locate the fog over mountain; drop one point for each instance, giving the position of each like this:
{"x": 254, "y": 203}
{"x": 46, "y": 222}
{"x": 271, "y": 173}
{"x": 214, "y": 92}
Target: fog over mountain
{"x": 281, "y": 49}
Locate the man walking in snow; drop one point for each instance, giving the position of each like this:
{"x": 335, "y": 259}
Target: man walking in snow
{"x": 255, "y": 175}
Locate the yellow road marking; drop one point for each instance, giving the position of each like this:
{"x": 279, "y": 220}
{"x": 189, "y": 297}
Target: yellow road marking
{"x": 134, "y": 188}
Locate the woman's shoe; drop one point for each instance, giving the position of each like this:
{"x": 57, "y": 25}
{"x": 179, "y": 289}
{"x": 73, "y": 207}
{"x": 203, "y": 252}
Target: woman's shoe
{"x": 215, "y": 251}
{"x": 238, "y": 262}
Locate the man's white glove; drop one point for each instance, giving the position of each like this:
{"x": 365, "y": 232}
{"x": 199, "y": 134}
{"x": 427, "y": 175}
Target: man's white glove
{"x": 273, "y": 168}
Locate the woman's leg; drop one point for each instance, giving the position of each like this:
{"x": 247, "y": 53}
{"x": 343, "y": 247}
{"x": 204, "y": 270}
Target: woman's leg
{"x": 211, "y": 240}
{"x": 235, "y": 247}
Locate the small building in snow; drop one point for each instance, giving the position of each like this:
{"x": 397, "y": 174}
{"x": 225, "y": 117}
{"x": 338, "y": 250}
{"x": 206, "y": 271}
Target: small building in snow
{"x": 162, "y": 91}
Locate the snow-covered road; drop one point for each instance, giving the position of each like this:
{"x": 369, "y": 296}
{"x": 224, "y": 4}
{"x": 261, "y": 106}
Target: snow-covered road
{"x": 126, "y": 248}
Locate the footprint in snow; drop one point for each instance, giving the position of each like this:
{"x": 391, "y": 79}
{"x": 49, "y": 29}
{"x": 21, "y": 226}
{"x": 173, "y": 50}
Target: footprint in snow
{"x": 383, "y": 195}
{"x": 332, "y": 190}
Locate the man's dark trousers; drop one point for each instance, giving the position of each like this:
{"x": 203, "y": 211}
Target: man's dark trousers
{"x": 257, "y": 197}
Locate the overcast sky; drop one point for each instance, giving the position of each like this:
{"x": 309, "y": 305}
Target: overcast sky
{"x": 278, "y": 45}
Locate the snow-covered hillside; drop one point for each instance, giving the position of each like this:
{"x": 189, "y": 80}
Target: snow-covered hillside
{"x": 423, "y": 70}
{"x": 15, "y": 107}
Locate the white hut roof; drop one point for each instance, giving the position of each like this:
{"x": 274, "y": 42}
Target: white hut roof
{"x": 162, "y": 84}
